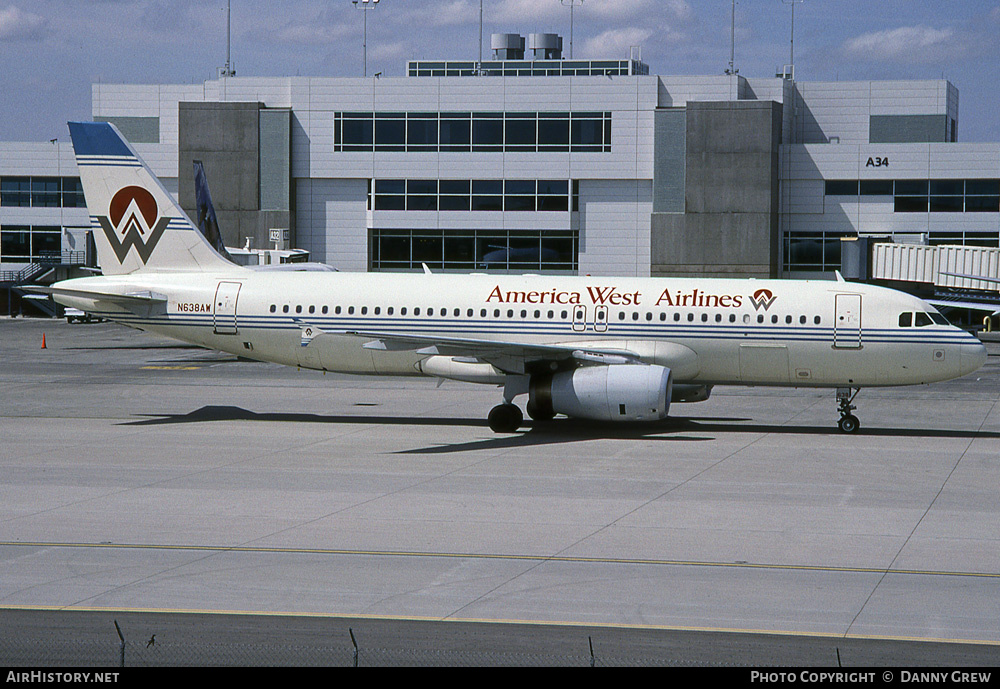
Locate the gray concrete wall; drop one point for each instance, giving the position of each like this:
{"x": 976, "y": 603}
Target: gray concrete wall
{"x": 729, "y": 227}
{"x": 668, "y": 159}
{"x": 226, "y": 138}
{"x": 906, "y": 129}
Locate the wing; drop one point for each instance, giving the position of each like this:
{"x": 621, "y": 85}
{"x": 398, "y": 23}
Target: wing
{"x": 966, "y": 276}
{"x": 510, "y": 357}
{"x": 992, "y": 308}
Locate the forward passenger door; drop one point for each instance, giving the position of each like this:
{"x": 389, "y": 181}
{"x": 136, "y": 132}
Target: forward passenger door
{"x": 847, "y": 321}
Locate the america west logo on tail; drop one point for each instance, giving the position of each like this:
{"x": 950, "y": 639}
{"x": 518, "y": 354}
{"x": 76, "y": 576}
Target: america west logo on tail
{"x": 133, "y": 221}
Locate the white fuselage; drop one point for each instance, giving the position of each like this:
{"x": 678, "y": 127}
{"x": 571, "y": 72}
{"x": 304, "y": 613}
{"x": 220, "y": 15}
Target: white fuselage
{"x": 707, "y": 331}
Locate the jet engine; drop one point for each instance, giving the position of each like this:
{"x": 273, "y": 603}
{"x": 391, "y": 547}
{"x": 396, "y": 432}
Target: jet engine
{"x": 690, "y": 393}
{"x": 621, "y": 392}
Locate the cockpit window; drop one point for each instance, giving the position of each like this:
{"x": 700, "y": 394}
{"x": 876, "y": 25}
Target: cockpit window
{"x": 905, "y": 320}
{"x": 922, "y": 319}
{"x": 939, "y": 319}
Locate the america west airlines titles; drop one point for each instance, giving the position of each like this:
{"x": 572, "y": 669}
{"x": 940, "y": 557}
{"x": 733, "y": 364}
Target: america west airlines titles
{"x": 610, "y": 295}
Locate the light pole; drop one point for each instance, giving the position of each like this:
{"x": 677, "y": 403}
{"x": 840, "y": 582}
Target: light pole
{"x": 572, "y": 4}
{"x": 365, "y": 5}
{"x": 791, "y": 42}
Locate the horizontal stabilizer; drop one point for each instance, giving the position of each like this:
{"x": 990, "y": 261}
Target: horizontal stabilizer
{"x": 139, "y": 303}
{"x": 144, "y": 298}
{"x": 972, "y": 277}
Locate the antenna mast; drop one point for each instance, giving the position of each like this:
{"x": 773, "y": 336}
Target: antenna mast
{"x": 228, "y": 71}
{"x": 790, "y": 73}
{"x": 732, "y": 44}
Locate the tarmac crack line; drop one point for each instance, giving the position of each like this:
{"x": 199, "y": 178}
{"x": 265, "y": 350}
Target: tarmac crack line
{"x": 890, "y": 568}
{"x": 558, "y": 555}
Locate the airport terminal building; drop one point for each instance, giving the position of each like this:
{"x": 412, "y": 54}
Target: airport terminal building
{"x": 541, "y": 165}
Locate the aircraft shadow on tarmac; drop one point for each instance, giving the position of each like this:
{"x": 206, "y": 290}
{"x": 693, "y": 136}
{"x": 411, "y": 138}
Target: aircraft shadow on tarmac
{"x": 559, "y": 430}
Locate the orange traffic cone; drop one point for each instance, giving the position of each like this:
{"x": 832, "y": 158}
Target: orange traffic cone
{"x": 43, "y": 341}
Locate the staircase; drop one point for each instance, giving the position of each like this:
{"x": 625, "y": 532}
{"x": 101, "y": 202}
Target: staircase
{"x": 13, "y": 283}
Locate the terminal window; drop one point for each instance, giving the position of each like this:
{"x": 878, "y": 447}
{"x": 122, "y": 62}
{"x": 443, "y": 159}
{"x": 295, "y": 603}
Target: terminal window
{"x": 465, "y": 132}
{"x": 926, "y": 195}
{"x": 510, "y": 195}
{"x": 41, "y": 192}
{"x": 813, "y": 251}
{"x": 549, "y": 251}
{"x": 30, "y": 244}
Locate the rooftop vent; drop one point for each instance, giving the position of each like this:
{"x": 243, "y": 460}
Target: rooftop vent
{"x": 507, "y": 46}
{"x": 545, "y": 46}
{"x": 510, "y": 46}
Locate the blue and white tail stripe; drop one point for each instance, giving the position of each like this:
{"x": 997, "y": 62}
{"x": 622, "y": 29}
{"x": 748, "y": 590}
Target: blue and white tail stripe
{"x": 113, "y": 161}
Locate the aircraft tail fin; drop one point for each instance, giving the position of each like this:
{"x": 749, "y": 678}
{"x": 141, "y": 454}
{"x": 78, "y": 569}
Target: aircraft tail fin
{"x": 207, "y": 222}
{"x": 137, "y": 223}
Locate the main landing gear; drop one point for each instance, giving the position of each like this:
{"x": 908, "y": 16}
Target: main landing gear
{"x": 505, "y": 418}
{"x": 848, "y": 422}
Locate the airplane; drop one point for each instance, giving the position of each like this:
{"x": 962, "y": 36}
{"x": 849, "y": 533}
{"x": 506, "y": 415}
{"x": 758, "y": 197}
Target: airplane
{"x": 598, "y": 348}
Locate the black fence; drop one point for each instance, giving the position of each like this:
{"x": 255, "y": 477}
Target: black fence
{"x": 348, "y": 651}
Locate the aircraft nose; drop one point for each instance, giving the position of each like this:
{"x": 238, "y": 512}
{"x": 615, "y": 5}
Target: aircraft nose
{"x": 973, "y": 356}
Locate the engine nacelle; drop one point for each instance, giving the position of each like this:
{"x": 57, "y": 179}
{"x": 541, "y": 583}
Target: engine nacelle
{"x": 685, "y": 392}
{"x": 623, "y": 392}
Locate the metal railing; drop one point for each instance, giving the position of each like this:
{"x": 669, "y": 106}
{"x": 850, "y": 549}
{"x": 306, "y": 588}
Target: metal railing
{"x": 40, "y": 263}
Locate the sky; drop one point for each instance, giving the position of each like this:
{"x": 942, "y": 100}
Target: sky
{"x": 52, "y": 51}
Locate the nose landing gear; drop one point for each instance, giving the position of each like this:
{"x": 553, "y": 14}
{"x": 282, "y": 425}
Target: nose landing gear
{"x": 848, "y": 423}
